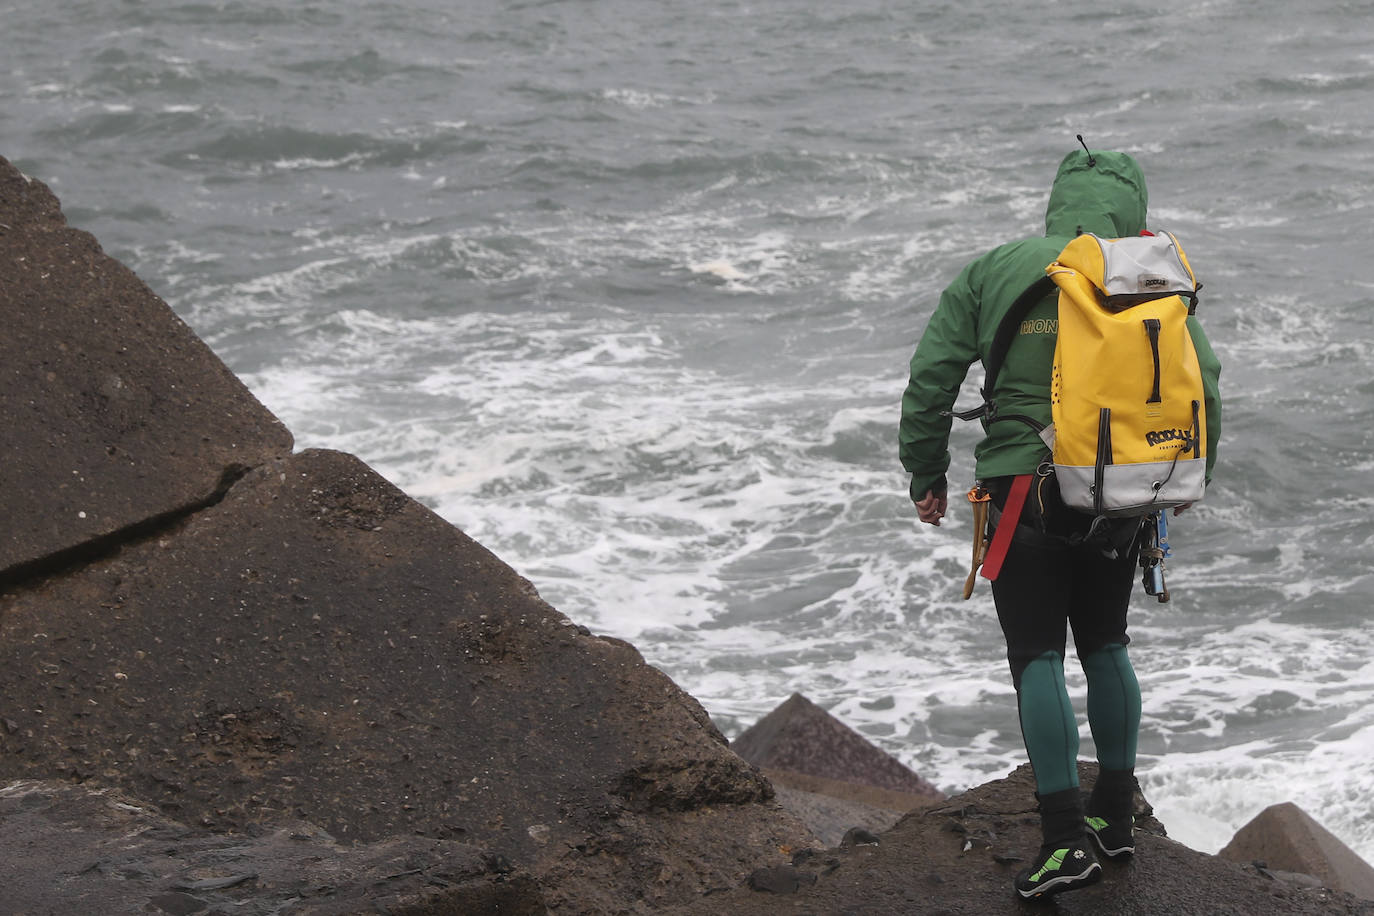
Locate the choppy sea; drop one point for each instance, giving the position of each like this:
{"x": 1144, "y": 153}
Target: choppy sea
{"x": 627, "y": 292}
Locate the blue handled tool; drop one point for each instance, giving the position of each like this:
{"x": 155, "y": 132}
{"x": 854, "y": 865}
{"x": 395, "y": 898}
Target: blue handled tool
{"x": 1152, "y": 555}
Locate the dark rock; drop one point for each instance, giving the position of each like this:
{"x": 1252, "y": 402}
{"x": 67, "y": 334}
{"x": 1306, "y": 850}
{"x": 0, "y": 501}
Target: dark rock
{"x": 779, "y": 879}
{"x": 115, "y": 412}
{"x": 1291, "y": 877}
{"x": 423, "y": 688}
{"x": 923, "y": 866}
{"x": 868, "y": 796}
{"x": 801, "y": 737}
{"x": 213, "y": 884}
{"x": 830, "y": 818}
{"x": 858, "y": 836}
{"x": 177, "y": 904}
{"x": 73, "y": 849}
{"x": 1287, "y": 840}
{"x": 829, "y": 807}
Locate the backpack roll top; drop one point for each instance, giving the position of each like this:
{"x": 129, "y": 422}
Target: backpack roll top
{"x": 1126, "y": 389}
{"x": 1128, "y": 271}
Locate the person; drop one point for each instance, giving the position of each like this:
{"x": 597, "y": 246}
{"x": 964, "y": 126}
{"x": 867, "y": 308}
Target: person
{"x": 1054, "y": 574}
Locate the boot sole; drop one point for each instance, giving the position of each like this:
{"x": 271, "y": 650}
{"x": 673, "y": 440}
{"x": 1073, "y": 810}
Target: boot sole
{"x": 1062, "y": 883}
{"x": 1118, "y": 853}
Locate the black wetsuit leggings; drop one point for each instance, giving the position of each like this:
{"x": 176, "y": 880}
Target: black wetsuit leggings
{"x": 1048, "y": 583}
{"x": 1053, "y": 580}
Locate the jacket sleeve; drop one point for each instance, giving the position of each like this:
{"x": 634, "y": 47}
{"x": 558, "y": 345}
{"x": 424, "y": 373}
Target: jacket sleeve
{"x": 1211, "y": 389}
{"x": 942, "y": 359}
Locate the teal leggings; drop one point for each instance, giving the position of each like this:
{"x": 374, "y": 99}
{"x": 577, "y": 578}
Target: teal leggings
{"x": 1050, "y": 729}
{"x": 1053, "y": 581}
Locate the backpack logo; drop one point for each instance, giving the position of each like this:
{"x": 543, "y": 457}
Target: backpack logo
{"x": 1160, "y": 436}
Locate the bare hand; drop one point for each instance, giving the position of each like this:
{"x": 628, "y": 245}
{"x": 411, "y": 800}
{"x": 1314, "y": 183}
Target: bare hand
{"x": 1180, "y": 509}
{"x": 931, "y": 508}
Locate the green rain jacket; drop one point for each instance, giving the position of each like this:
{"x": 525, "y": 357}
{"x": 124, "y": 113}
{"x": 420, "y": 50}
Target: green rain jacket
{"x": 1108, "y": 199}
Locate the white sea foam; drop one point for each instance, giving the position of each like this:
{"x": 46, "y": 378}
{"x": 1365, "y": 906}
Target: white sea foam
{"x": 301, "y": 163}
{"x": 717, "y": 268}
{"x": 642, "y": 98}
{"x": 1203, "y": 797}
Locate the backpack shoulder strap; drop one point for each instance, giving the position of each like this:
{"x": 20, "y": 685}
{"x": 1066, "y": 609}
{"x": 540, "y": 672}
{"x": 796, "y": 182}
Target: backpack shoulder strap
{"x": 1006, "y": 331}
{"x": 1001, "y": 343}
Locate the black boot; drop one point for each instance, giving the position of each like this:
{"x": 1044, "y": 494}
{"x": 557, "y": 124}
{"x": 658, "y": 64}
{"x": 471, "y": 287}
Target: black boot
{"x": 1065, "y": 860}
{"x": 1111, "y": 812}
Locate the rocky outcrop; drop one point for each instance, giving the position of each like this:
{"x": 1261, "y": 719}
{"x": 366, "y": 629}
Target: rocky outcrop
{"x": 317, "y": 645}
{"x": 1284, "y": 838}
{"x": 958, "y": 857}
{"x": 116, "y": 417}
{"x": 828, "y": 775}
{"x": 831, "y": 808}
{"x": 77, "y": 850}
{"x": 800, "y": 737}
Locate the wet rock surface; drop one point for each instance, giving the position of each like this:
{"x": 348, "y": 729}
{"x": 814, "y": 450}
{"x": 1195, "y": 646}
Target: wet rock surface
{"x": 959, "y": 857}
{"x": 115, "y": 414}
{"x": 319, "y": 647}
{"x": 800, "y": 737}
{"x": 93, "y": 851}
{"x": 1285, "y": 839}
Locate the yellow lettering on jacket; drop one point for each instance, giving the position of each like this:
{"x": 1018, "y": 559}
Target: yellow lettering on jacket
{"x": 1040, "y": 326}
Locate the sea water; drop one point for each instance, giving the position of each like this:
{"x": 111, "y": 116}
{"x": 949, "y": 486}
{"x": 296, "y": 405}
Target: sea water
{"x": 627, "y": 292}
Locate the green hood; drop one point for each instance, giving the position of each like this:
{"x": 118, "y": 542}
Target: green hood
{"x": 1106, "y": 198}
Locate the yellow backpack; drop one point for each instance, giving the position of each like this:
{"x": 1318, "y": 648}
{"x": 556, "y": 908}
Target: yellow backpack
{"x": 1129, "y": 432}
